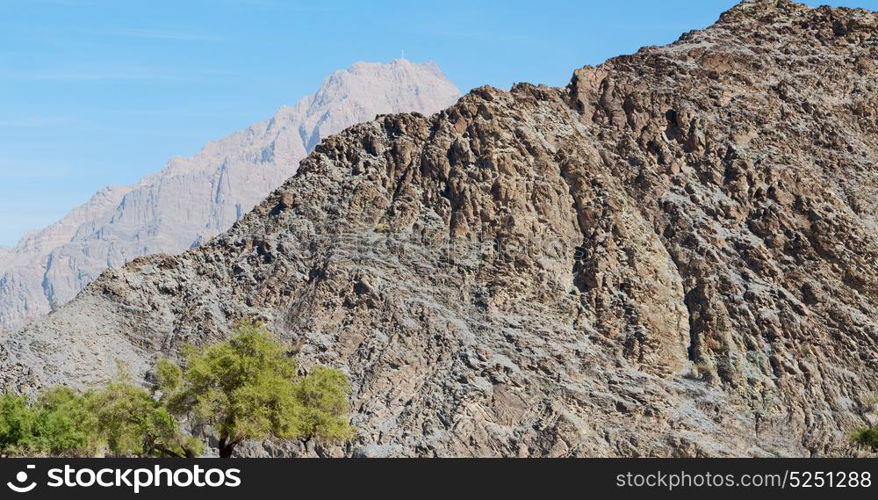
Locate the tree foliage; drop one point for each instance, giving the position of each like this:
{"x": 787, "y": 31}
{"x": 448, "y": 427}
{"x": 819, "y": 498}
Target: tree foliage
{"x": 132, "y": 422}
{"x": 121, "y": 419}
{"x": 867, "y": 437}
{"x": 16, "y": 422}
{"x": 244, "y": 388}
{"x": 249, "y": 388}
{"x": 58, "y": 422}
{"x": 64, "y": 423}
{"x": 323, "y": 394}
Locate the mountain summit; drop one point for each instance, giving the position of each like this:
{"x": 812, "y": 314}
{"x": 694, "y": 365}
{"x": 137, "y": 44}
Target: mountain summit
{"x": 672, "y": 256}
{"x": 193, "y": 199}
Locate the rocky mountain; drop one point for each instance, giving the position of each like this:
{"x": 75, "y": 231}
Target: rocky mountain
{"x": 672, "y": 256}
{"x": 23, "y": 268}
{"x": 193, "y": 199}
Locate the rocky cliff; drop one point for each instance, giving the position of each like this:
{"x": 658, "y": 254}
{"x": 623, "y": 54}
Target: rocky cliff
{"x": 672, "y": 256}
{"x": 193, "y": 199}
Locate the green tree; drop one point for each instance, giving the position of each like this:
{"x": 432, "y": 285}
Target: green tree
{"x": 132, "y": 422}
{"x": 17, "y": 422}
{"x": 248, "y": 388}
{"x": 64, "y": 423}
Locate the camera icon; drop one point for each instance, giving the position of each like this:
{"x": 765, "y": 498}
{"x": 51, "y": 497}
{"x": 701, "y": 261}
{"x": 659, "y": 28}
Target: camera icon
{"x": 21, "y": 478}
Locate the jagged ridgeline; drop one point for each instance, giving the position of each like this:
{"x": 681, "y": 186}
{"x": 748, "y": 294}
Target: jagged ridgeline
{"x": 674, "y": 256}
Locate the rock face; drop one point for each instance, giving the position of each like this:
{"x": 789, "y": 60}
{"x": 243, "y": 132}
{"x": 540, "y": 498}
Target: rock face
{"x": 193, "y": 199}
{"x": 673, "y": 256}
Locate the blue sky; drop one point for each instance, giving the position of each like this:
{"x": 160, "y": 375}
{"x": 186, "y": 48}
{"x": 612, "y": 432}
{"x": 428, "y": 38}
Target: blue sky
{"x": 98, "y": 92}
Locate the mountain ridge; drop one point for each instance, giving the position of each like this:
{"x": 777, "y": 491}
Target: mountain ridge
{"x": 225, "y": 179}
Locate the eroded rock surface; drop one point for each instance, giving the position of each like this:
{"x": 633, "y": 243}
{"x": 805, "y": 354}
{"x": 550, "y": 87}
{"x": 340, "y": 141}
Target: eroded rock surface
{"x": 673, "y": 256}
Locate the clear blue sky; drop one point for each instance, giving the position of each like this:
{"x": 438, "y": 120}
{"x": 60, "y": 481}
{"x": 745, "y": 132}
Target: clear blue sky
{"x": 97, "y": 92}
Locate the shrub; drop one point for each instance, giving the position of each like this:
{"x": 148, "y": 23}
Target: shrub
{"x": 867, "y": 437}
{"x": 17, "y": 422}
{"x": 64, "y": 423}
{"x": 58, "y": 422}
